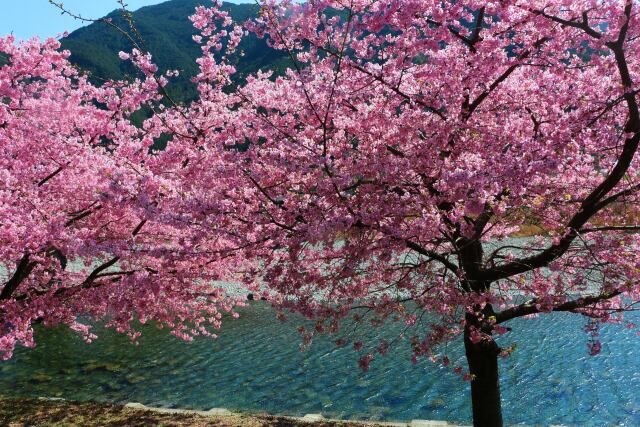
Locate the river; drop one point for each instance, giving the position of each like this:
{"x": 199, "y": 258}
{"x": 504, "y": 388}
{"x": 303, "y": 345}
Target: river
{"x": 256, "y": 365}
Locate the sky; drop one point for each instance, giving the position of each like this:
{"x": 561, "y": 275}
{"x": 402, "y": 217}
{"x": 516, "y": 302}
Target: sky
{"x": 29, "y": 18}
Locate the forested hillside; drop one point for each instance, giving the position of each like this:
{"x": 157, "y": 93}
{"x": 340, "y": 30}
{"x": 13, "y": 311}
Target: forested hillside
{"x": 167, "y": 33}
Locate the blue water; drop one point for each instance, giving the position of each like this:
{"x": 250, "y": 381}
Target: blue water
{"x": 256, "y": 365}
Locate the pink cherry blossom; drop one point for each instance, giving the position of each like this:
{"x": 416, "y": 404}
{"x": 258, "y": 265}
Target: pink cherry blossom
{"x": 379, "y": 179}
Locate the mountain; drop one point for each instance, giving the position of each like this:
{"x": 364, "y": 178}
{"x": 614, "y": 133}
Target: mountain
{"x": 167, "y": 34}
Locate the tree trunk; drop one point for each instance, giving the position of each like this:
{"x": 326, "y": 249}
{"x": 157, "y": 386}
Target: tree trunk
{"x": 482, "y": 358}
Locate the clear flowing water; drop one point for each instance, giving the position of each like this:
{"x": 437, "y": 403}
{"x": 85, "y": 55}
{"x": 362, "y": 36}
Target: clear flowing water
{"x": 256, "y": 365}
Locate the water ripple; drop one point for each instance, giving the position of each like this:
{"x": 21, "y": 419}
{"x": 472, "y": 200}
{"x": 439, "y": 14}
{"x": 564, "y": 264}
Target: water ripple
{"x": 256, "y": 365}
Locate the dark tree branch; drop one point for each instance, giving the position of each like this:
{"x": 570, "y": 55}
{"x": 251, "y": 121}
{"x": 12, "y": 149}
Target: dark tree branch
{"x": 434, "y": 255}
{"x": 49, "y": 177}
{"x": 475, "y": 35}
{"x": 81, "y": 215}
{"x": 278, "y": 203}
{"x": 613, "y": 198}
{"x": 628, "y": 228}
{"x": 96, "y": 272}
{"x": 138, "y": 228}
{"x": 23, "y": 269}
{"x": 483, "y": 219}
{"x": 592, "y": 204}
{"x": 471, "y": 107}
{"x": 582, "y": 25}
{"x": 530, "y": 306}
{"x": 390, "y": 86}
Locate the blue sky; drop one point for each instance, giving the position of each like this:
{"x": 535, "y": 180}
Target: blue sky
{"x": 28, "y": 18}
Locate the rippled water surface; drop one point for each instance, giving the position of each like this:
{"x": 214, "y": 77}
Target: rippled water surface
{"x": 256, "y": 365}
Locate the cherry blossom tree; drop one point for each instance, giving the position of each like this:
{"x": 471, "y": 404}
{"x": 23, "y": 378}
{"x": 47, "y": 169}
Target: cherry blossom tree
{"x": 84, "y": 231}
{"x": 380, "y": 178}
{"x": 383, "y": 175}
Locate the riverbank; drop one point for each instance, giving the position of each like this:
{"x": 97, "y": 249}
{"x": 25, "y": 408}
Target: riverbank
{"x": 17, "y": 412}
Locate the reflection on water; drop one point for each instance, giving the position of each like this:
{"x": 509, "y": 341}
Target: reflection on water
{"x": 256, "y": 365}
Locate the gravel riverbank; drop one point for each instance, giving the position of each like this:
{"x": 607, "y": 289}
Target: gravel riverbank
{"x": 15, "y": 412}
